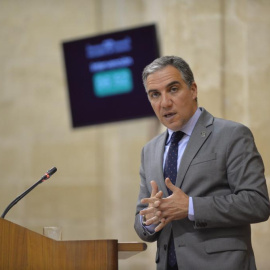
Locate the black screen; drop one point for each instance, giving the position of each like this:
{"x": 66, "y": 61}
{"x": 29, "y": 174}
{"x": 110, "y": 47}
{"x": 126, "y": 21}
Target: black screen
{"x": 104, "y": 75}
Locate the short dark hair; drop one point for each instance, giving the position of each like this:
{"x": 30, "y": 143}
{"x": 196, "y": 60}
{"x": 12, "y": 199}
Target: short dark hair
{"x": 174, "y": 61}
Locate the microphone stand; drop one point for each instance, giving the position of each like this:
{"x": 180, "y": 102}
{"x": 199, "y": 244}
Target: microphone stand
{"x": 46, "y": 176}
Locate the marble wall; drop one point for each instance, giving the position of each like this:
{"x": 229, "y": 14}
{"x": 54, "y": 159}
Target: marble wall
{"x": 94, "y": 192}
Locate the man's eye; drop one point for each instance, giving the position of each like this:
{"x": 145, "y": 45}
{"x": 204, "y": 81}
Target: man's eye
{"x": 154, "y": 95}
{"x": 174, "y": 89}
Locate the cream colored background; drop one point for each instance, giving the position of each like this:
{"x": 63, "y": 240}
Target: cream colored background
{"x": 94, "y": 192}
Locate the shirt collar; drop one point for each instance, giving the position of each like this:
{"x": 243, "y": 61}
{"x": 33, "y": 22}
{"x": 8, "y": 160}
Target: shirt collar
{"x": 188, "y": 127}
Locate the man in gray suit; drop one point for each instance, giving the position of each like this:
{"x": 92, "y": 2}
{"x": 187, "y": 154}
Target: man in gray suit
{"x": 203, "y": 220}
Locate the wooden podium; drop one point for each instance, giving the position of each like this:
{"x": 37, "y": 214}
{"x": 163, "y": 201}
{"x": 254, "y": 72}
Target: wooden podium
{"x": 22, "y": 249}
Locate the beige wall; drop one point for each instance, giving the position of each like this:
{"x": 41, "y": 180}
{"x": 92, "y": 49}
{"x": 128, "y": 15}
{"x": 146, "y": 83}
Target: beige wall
{"x": 94, "y": 192}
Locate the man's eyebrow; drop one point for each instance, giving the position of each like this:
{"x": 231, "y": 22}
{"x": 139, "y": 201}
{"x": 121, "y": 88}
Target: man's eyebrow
{"x": 152, "y": 90}
{"x": 172, "y": 83}
{"x": 168, "y": 85}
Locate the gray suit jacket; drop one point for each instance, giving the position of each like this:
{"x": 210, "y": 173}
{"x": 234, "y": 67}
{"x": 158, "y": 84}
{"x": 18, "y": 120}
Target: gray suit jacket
{"x": 223, "y": 172}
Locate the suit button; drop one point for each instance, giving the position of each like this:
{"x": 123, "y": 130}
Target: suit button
{"x": 201, "y": 224}
{"x": 165, "y": 247}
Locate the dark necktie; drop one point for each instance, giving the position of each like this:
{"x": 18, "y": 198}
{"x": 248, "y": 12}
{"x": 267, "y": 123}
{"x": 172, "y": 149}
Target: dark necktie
{"x": 170, "y": 171}
{"x": 170, "y": 168}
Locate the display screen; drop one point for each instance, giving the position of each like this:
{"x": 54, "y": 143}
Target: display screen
{"x": 104, "y": 75}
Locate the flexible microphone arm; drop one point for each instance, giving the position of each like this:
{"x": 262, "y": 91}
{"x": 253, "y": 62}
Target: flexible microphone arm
{"x": 45, "y": 177}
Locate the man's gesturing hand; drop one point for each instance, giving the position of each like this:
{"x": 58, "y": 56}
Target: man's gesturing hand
{"x": 174, "y": 207}
{"x": 151, "y": 213}
{"x": 164, "y": 210}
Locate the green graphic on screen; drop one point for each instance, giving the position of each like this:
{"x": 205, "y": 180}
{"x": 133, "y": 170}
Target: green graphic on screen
{"x": 112, "y": 82}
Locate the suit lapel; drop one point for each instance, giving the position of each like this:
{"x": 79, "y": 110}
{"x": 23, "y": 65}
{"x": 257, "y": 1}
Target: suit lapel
{"x": 201, "y": 132}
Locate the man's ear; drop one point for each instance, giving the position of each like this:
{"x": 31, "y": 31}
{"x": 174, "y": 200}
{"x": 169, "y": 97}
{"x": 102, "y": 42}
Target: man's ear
{"x": 193, "y": 89}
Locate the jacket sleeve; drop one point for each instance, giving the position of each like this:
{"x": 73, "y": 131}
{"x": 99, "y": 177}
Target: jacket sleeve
{"x": 248, "y": 202}
{"x": 143, "y": 193}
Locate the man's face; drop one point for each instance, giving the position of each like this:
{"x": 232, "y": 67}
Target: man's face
{"x": 172, "y": 100}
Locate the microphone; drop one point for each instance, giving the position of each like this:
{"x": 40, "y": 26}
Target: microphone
{"x": 48, "y": 174}
{"x": 45, "y": 177}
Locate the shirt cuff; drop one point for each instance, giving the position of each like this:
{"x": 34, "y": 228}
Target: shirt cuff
{"x": 149, "y": 228}
{"x": 191, "y": 210}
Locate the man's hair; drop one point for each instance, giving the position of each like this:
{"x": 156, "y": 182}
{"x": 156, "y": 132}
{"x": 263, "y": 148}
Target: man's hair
{"x": 174, "y": 61}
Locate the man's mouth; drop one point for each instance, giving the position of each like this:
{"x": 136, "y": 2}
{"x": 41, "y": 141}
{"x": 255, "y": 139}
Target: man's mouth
{"x": 169, "y": 115}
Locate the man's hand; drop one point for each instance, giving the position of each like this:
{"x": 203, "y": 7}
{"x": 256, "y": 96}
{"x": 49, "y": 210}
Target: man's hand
{"x": 164, "y": 210}
{"x": 150, "y": 213}
{"x": 174, "y": 207}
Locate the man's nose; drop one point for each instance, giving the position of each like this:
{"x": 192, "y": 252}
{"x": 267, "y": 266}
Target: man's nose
{"x": 166, "y": 101}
